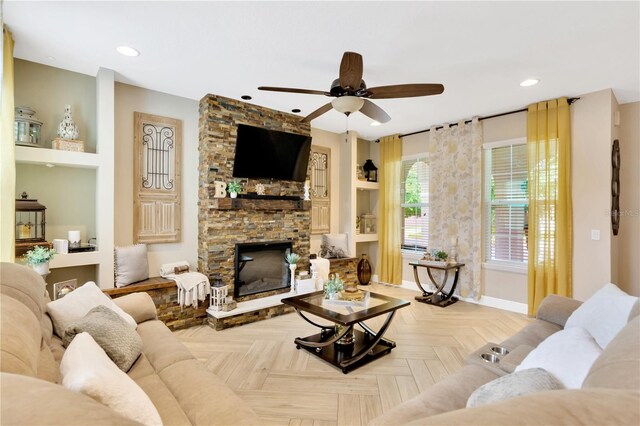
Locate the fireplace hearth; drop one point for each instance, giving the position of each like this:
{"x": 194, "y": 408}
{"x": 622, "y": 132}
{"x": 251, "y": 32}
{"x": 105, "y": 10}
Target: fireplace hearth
{"x": 260, "y": 267}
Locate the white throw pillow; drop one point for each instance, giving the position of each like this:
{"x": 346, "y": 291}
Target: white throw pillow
{"x": 512, "y": 385}
{"x": 567, "y": 355}
{"x": 131, "y": 264}
{"x": 334, "y": 246}
{"x": 86, "y": 368}
{"x": 78, "y": 303}
{"x": 604, "y": 314}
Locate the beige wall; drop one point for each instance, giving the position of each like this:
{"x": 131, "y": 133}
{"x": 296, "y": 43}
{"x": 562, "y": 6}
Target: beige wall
{"x": 629, "y": 233}
{"x": 591, "y": 191}
{"x": 332, "y": 141}
{"x": 47, "y": 90}
{"x": 127, "y": 100}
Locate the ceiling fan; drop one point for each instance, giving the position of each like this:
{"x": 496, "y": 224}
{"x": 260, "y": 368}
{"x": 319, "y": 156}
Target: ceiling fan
{"x": 352, "y": 94}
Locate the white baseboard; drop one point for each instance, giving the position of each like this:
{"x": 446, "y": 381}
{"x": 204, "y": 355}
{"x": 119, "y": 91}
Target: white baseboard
{"x": 492, "y": 302}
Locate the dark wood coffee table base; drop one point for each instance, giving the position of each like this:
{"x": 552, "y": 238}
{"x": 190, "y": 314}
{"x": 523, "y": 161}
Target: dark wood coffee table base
{"x": 339, "y": 355}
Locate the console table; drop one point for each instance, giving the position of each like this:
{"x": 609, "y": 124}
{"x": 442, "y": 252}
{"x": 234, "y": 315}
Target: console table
{"x": 438, "y": 297}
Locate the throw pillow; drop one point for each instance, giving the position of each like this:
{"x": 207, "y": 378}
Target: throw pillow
{"x": 522, "y": 383}
{"x": 78, "y": 303}
{"x": 87, "y": 369}
{"x": 567, "y": 355}
{"x": 604, "y": 314}
{"x": 334, "y": 246}
{"x": 131, "y": 264}
{"x": 122, "y": 344}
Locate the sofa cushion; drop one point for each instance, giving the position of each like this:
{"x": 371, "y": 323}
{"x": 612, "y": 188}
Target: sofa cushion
{"x": 532, "y": 334}
{"x": 23, "y": 284}
{"x": 30, "y": 401}
{"x": 121, "y": 343}
{"x": 557, "y": 309}
{"x": 78, "y": 303}
{"x": 48, "y": 368}
{"x": 521, "y": 383}
{"x": 450, "y": 393}
{"x": 204, "y": 397}
{"x": 160, "y": 346}
{"x": 576, "y": 407}
{"x": 567, "y": 355}
{"x": 168, "y": 407}
{"x": 86, "y": 368}
{"x": 604, "y": 314}
{"x": 619, "y": 365}
{"x": 131, "y": 264}
{"x": 139, "y": 305}
{"x": 20, "y": 338}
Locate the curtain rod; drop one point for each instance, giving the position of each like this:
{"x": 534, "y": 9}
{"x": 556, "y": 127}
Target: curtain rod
{"x": 569, "y": 100}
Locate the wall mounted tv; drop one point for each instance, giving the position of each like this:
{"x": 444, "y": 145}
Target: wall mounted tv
{"x": 270, "y": 154}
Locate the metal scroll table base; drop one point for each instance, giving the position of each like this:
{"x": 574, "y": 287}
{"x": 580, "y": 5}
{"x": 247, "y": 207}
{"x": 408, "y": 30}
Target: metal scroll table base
{"x": 439, "y": 297}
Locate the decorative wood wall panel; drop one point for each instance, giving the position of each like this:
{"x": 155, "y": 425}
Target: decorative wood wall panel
{"x": 320, "y": 189}
{"x": 157, "y": 196}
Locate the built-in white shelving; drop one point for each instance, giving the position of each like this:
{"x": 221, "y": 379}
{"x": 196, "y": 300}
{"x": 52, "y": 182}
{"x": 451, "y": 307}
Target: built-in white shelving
{"x": 366, "y": 238}
{"x": 54, "y": 157}
{"x": 366, "y": 186}
{"x": 75, "y": 259}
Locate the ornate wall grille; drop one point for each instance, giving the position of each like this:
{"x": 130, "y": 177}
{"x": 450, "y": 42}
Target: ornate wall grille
{"x": 157, "y": 192}
{"x": 320, "y": 189}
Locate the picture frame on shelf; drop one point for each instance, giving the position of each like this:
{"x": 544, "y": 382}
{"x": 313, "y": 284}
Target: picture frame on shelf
{"x": 63, "y": 288}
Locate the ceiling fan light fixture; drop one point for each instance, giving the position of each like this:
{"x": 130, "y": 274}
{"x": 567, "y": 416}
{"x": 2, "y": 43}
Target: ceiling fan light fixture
{"x": 347, "y": 104}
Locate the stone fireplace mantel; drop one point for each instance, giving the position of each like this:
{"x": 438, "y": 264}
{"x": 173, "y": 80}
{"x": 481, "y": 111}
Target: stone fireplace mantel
{"x": 258, "y": 204}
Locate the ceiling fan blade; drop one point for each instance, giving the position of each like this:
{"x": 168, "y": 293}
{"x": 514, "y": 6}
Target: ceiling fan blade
{"x": 317, "y": 113}
{"x": 351, "y": 70}
{"x": 404, "y": 91}
{"x": 373, "y": 111}
{"x": 291, "y": 90}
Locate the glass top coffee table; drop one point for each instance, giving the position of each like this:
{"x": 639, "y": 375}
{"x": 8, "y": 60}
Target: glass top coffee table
{"x": 340, "y": 344}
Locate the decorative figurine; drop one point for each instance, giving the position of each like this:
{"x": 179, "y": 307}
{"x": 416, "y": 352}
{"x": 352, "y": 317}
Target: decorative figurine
{"x": 67, "y": 129}
{"x": 307, "y": 197}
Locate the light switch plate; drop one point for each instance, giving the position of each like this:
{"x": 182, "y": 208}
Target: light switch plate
{"x": 595, "y": 234}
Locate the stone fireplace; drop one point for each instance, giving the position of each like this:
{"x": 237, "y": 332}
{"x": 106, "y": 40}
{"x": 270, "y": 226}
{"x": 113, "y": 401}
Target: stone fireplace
{"x": 225, "y": 223}
{"x": 260, "y": 268}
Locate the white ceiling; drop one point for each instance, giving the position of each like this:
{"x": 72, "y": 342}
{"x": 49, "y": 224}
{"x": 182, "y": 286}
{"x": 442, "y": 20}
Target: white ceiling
{"x": 480, "y": 51}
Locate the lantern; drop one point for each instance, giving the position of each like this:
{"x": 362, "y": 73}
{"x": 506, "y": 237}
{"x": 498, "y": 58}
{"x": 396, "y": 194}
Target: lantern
{"x": 27, "y": 128}
{"x": 218, "y": 294}
{"x": 370, "y": 171}
{"x": 30, "y": 224}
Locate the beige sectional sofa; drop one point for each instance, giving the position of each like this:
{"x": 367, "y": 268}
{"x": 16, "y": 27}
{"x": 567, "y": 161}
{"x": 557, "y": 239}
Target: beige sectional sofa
{"x": 610, "y": 395}
{"x": 181, "y": 388}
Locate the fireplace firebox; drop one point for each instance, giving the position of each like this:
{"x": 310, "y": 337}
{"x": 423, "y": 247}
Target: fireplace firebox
{"x": 261, "y": 267}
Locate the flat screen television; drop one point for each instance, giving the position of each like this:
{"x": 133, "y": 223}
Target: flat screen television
{"x": 271, "y": 154}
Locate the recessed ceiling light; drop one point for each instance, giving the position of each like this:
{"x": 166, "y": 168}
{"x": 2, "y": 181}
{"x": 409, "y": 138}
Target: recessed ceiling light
{"x": 127, "y": 51}
{"x": 51, "y": 58}
{"x": 375, "y": 123}
{"x": 246, "y": 97}
{"x": 50, "y": 165}
{"x": 295, "y": 110}
{"x": 529, "y": 82}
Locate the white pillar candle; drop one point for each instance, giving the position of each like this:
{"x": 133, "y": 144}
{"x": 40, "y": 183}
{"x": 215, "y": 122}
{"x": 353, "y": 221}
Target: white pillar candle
{"x": 74, "y": 237}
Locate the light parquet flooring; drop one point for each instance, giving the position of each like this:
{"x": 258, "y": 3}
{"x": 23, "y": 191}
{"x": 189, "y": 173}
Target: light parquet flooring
{"x": 286, "y": 386}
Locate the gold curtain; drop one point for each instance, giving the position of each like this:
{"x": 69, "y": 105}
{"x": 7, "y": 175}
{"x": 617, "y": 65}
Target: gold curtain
{"x": 7, "y": 153}
{"x": 550, "y": 233}
{"x": 390, "y": 216}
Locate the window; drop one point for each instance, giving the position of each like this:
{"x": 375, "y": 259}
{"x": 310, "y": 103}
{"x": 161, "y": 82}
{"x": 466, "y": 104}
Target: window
{"x": 414, "y": 193}
{"x": 506, "y": 204}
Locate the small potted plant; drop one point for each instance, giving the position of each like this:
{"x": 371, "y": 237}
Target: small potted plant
{"x": 38, "y": 259}
{"x": 333, "y": 287}
{"x": 293, "y": 259}
{"x": 441, "y": 256}
{"x": 234, "y": 187}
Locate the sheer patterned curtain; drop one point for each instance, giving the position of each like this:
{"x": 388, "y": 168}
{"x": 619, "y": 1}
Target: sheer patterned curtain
{"x": 7, "y": 153}
{"x": 455, "y": 201}
{"x": 550, "y": 216}
{"x": 390, "y": 216}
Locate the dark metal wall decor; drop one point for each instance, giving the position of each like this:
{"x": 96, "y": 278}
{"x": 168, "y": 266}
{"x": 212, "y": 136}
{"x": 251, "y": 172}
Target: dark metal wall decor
{"x": 615, "y": 187}
{"x": 320, "y": 189}
{"x": 157, "y": 194}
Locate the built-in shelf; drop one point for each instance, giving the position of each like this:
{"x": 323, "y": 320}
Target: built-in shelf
{"x": 54, "y": 157}
{"x": 367, "y": 186}
{"x": 365, "y": 238}
{"x": 75, "y": 259}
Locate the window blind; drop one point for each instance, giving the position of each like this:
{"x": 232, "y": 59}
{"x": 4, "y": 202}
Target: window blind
{"x": 506, "y": 204}
{"x": 414, "y": 193}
